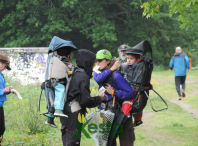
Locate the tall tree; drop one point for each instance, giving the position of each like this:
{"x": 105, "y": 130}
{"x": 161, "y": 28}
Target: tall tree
{"x": 187, "y": 10}
{"x": 91, "y": 25}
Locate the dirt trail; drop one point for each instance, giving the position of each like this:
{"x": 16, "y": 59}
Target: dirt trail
{"x": 147, "y": 126}
{"x": 186, "y": 106}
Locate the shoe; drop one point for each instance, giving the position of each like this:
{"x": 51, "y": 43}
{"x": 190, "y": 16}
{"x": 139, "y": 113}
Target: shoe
{"x": 137, "y": 123}
{"x": 50, "y": 122}
{"x": 179, "y": 98}
{"x": 59, "y": 113}
{"x": 183, "y": 94}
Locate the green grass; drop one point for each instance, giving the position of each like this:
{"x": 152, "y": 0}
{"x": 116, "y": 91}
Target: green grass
{"x": 172, "y": 127}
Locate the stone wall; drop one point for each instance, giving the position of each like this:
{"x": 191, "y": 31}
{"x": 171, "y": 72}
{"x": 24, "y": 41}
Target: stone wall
{"x": 27, "y": 64}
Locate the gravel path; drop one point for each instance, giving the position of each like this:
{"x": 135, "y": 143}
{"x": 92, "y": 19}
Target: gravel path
{"x": 186, "y": 106}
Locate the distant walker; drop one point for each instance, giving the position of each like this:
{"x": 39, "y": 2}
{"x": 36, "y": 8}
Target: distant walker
{"x": 180, "y": 62}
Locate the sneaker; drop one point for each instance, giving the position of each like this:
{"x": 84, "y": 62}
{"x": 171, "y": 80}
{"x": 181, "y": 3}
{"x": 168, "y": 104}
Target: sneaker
{"x": 50, "y": 122}
{"x": 179, "y": 98}
{"x": 183, "y": 94}
{"x": 137, "y": 123}
{"x": 59, "y": 113}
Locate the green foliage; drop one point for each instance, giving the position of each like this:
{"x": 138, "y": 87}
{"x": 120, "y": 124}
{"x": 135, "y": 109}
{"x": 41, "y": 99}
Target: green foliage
{"x": 93, "y": 25}
{"x": 167, "y": 127}
{"x": 176, "y": 124}
{"x": 159, "y": 68}
{"x": 32, "y": 120}
{"x": 25, "y": 112}
{"x": 186, "y": 9}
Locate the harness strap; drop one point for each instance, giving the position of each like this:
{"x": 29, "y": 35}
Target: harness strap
{"x": 75, "y": 99}
{"x": 127, "y": 102}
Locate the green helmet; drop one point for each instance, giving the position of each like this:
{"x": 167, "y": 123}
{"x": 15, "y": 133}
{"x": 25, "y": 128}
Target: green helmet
{"x": 103, "y": 54}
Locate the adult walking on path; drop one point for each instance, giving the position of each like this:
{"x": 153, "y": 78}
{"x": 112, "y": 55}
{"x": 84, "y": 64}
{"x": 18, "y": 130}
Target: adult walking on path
{"x": 180, "y": 62}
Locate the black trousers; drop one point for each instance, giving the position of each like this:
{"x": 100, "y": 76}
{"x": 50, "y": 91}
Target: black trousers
{"x": 126, "y": 138}
{"x": 2, "y": 124}
{"x": 69, "y": 129}
{"x": 180, "y": 80}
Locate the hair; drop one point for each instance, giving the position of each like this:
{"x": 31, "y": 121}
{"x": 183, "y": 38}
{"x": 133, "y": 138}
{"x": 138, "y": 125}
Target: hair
{"x": 178, "y": 49}
{"x": 4, "y": 56}
{"x": 64, "y": 51}
{"x": 137, "y": 56}
{"x": 111, "y": 63}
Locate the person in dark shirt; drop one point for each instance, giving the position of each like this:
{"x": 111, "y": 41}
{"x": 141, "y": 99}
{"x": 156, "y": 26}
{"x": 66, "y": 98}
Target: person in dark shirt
{"x": 79, "y": 92}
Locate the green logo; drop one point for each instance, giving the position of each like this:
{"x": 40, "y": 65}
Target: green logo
{"x": 93, "y": 128}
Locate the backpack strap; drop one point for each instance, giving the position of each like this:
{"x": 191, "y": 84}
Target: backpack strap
{"x": 75, "y": 99}
{"x": 76, "y": 69}
{"x": 74, "y": 105}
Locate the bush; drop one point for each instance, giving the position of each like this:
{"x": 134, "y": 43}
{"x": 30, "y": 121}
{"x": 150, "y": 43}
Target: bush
{"x": 24, "y": 113}
{"x": 159, "y": 67}
{"x": 32, "y": 120}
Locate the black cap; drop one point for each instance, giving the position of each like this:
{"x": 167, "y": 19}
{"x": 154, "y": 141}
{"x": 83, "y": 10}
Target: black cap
{"x": 123, "y": 48}
{"x": 134, "y": 51}
{"x": 7, "y": 63}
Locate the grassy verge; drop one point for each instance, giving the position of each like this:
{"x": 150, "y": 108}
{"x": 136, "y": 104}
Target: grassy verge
{"x": 175, "y": 126}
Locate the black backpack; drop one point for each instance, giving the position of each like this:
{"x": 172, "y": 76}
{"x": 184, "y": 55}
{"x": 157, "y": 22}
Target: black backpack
{"x": 139, "y": 77}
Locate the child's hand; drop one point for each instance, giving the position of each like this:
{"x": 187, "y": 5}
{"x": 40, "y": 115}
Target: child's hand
{"x": 7, "y": 89}
{"x": 115, "y": 66}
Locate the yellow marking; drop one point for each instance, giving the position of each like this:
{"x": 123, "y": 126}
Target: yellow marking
{"x": 70, "y": 72}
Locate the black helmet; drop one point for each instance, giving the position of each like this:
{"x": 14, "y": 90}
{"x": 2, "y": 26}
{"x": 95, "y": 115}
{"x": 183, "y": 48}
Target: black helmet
{"x": 123, "y": 48}
{"x": 134, "y": 51}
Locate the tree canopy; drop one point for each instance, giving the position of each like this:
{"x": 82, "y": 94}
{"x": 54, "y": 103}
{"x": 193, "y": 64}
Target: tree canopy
{"x": 187, "y": 10}
{"x": 92, "y": 25}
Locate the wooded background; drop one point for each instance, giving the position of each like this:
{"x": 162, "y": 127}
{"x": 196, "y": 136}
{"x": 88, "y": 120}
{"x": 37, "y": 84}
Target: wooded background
{"x": 104, "y": 24}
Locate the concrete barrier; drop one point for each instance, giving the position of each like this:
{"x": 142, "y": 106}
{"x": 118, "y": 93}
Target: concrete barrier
{"x": 27, "y": 63}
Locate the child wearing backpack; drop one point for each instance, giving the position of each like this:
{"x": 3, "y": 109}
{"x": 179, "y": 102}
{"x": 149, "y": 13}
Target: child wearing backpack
{"x": 63, "y": 57}
{"x": 132, "y": 60}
